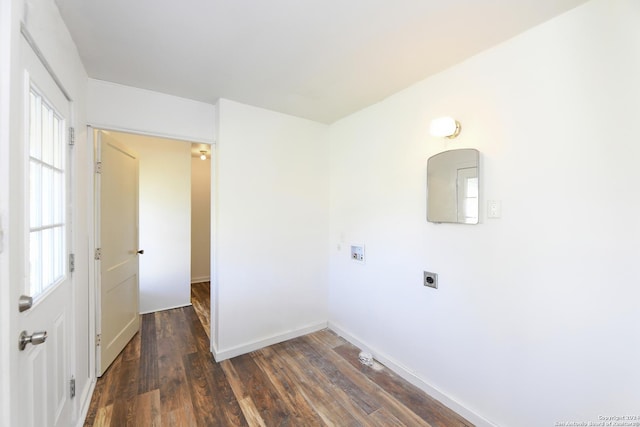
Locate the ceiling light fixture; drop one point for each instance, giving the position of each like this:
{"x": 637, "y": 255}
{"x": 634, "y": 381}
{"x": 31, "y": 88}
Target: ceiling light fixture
{"x": 445, "y": 127}
{"x": 203, "y": 155}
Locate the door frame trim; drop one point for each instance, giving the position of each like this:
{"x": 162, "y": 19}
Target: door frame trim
{"x": 94, "y": 227}
{"x": 93, "y": 283}
{"x": 34, "y": 46}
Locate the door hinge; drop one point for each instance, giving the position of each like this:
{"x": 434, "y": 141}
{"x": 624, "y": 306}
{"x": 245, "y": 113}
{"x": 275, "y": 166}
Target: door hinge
{"x": 98, "y": 340}
{"x": 72, "y": 136}
{"x": 98, "y": 167}
{"x": 72, "y": 387}
{"x": 98, "y": 254}
{"x": 72, "y": 263}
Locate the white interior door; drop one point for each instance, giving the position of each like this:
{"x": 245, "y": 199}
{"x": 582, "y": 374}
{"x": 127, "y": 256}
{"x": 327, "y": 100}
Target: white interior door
{"x": 40, "y": 209}
{"x": 117, "y": 182}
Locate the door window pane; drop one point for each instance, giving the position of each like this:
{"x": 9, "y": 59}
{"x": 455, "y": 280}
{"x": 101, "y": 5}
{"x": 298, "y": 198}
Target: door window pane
{"x": 47, "y": 198}
{"x": 35, "y": 196}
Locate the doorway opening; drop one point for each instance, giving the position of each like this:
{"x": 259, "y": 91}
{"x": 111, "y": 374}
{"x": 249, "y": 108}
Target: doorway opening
{"x": 167, "y": 174}
{"x": 200, "y": 213}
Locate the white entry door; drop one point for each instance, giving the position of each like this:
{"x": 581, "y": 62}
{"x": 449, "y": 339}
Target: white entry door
{"x": 40, "y": 209}
{"x": 117, "y": 181}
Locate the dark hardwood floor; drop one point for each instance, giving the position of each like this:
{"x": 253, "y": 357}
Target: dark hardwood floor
{"x": 166, "y": 376}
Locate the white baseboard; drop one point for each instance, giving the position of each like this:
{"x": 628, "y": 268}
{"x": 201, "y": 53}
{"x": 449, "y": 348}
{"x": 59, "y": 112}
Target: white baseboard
{"x": 165, "y": 308}
{"x": 86, "y": 402}
{"x": 411, "y": 377}
{"x": 220, "y": 355}
{"x": 200, "y": 279}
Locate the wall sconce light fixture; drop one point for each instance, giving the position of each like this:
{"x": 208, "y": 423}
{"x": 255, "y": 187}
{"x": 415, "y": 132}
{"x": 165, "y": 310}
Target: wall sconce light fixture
{"x": 445, "y": 127}
{"x": 203, "y": 155}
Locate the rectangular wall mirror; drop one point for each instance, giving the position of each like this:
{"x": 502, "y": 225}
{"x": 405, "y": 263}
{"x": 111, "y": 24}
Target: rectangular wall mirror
{"x": 453, "y": 184}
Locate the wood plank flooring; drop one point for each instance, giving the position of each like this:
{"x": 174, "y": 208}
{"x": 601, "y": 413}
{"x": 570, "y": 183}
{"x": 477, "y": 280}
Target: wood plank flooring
{"x": 166, "y": 376}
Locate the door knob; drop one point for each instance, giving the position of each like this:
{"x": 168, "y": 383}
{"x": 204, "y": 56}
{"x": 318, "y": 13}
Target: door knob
{"x": 35, "y": 339}
{"x": 141, "y": 251}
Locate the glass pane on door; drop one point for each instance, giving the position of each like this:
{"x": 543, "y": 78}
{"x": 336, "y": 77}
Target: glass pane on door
{"x": 47, "y": 198}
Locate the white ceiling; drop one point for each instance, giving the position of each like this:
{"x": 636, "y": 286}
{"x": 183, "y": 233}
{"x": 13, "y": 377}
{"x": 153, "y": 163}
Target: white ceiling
{"x": 318, "y": 59}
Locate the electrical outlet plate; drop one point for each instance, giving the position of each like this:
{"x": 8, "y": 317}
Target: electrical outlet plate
{"x": 357, "y": 253}
{"x": 430, "y": 280}
{"x": 494, "y": 209}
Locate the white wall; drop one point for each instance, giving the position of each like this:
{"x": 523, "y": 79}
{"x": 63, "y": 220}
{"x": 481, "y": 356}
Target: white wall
{"x": 129, "y": 109}
{"x": 164, "y": 221}
{"x": 272, "y": 227}
{"x": 47, "y": 29}
{"x": 200, "y": 220}
{"x": 536, "y": 317}
{"x": 8, "y": 33}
